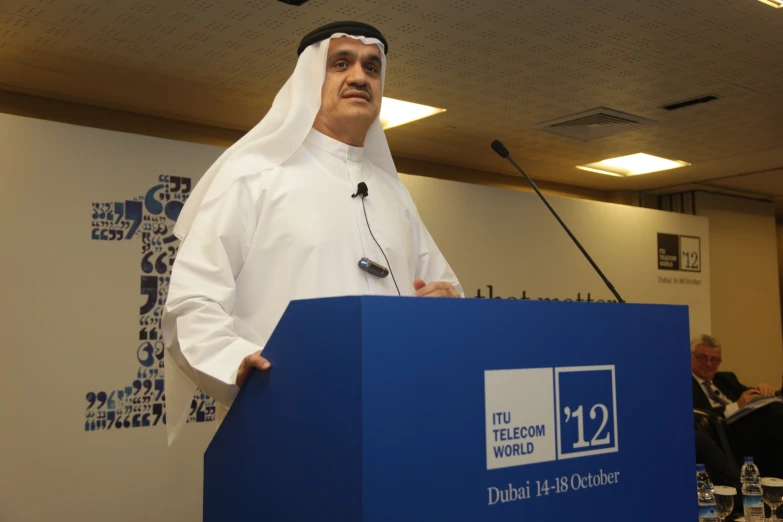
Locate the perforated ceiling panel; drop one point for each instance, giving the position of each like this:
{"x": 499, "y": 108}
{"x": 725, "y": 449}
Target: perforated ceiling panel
{"x": 500, "y": 68}
{"x": 765, "y": 184}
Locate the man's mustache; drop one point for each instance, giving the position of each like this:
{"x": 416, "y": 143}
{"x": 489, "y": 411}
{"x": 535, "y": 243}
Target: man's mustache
{"x": 357, "y": 89}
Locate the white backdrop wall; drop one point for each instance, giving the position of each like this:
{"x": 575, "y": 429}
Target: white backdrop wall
{"x": 80, "y": 304}
{"x": 509, "y": 240}
{"x": 745, "y": 289}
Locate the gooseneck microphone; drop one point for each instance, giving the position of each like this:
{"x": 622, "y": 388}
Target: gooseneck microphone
{"x": 364, "y": 263}
{"x": 503, "y": 153}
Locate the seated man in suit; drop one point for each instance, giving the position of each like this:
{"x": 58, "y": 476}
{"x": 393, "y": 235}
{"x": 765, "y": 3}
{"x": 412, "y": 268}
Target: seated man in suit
{"x": 759, "y": 434}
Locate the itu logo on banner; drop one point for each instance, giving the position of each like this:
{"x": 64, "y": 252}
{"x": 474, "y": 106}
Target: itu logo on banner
{"x": 587, "y": 402}
{"x": 679, "y": 253}
{"x": 546, "y": 414}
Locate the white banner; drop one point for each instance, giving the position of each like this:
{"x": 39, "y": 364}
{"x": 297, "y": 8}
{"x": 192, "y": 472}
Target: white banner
{"x": 506, "y": 244}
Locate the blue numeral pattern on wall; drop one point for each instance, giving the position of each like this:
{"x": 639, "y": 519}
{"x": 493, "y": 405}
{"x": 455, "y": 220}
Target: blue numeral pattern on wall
{"x": 150, "y": 217}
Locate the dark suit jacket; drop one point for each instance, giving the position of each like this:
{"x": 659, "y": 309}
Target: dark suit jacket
{"x": 726, "y": 382}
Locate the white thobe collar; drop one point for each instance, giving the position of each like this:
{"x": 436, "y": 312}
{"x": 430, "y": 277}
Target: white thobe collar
{"x": 335, "y": 148}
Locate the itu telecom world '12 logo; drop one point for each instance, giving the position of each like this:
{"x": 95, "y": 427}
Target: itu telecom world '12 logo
{"x": 545, "y": 414}
{"x": 677, "y": 252}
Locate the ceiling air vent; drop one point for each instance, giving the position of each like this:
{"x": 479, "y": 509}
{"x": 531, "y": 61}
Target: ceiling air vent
{"x": 688, "y": 103}
{"x": 593, "y": 124}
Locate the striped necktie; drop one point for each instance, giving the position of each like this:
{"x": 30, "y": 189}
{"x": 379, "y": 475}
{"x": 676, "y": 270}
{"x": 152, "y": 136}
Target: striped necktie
{"x": 714, "y": 394}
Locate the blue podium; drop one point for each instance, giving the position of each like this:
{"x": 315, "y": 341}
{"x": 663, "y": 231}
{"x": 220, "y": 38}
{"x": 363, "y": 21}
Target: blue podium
{"x": 397, "y": 409}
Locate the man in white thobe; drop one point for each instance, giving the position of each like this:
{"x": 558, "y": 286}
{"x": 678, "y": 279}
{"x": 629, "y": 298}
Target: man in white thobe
{"x": 278, "y": 217}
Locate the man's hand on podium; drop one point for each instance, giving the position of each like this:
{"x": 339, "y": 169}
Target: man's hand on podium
{"x": 254, "y": 360}
{"x": 436, "y": 289}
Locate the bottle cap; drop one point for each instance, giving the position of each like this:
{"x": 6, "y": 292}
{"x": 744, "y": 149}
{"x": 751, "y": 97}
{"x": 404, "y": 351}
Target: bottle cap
{"x": 700, "y": 467}
{"x": 748, "y": 459}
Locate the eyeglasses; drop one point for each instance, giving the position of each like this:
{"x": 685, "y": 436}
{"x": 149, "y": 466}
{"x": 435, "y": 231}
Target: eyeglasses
{"x": 706, "y": 358}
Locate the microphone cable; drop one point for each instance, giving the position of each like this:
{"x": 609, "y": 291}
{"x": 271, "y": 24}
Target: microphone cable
{"x": 361, "y": 190}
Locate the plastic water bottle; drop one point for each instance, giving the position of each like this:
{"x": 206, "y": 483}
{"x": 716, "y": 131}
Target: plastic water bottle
{"x": 708, "y": 511}
{"x": 752, "y": 502}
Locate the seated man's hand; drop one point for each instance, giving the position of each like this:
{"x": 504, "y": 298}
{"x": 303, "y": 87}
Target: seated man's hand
{"x": 436, "y": 289}
{"x": 765, "y": 390}
{"x": 748, "y": 396}
{"x": 254, "y": 360}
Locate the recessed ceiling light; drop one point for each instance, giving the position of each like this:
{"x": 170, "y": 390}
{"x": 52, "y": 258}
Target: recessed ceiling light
{"x": 398, "y": 112}
{"x": 632, "y": 165}
{"x": 773, "y": 3}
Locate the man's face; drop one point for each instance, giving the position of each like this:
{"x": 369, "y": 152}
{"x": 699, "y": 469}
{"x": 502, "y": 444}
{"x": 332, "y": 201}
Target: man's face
{"x": 351, "y": 93}
{"x": 705, "y": 361}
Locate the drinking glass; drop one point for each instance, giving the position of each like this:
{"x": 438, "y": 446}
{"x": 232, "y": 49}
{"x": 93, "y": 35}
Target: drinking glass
{"x": 724, "y": 501}
{"x": 772, "y": 490}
